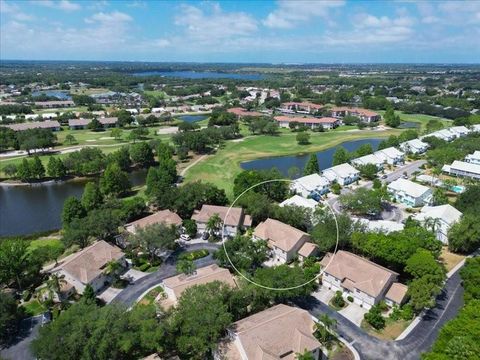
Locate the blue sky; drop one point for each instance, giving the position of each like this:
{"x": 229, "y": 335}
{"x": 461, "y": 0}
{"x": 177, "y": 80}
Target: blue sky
{"x": 242, "y": 31}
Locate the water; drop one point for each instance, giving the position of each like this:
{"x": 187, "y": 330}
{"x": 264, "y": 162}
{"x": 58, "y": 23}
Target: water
{"x": 29, "y": 209}
{"x": 192, "y": 118}
{"x": 60, "y": 95}
{"x": 458, "y": 189}
{"x": 409, "y": 125}
{"x": 325, "y": 158}
{"x": 201, "y": 75}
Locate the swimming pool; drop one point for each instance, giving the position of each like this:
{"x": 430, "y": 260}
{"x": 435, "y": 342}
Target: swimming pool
{"x": 458, "y": 189}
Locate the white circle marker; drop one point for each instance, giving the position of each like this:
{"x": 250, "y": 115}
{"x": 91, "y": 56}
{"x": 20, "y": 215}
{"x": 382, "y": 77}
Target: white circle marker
{"x": 224, "y": 239}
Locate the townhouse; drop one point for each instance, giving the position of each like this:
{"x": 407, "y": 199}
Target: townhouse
{"x": 311, "y": 186}
{"x": 235, "y": 221}
{"x": 439, "y": 219}
{"x": 364, "y": 115}
{"x": 459, "y": 131}
{"x": 444, "y": 134}
{"x": 280, "y": 332}
{"x": 284, "y": 240}
{"x": 409, "y": 193}
{"x": 366, "y": 282}
{"x": 47, "y": 124}
{"x": 415, "y": 146}
{"x": 310, "y": 122}
{"x": 473, "y": 158}
{"x": 390, "y": 156}
{"x": 166, "y": 217}
{"x": 463, "y": 169}
{"x": 54, "y": 104}
{"x": 344, "y": 174}
{"x": 77, "y": 124}
{"x": 299, "y": 201}
{"x": 369, "y": 159}
{"x": 300, "y": 107}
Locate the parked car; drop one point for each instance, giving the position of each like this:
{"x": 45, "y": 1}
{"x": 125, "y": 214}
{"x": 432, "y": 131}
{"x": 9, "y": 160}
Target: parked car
{"x": 46, "y": 318}
{"x": 205, "y": 236}
{"x": 384, "y": 176}
{"x": 184, "y": 237}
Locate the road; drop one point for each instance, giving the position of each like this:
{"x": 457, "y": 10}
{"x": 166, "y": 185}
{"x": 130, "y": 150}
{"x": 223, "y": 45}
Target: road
{"x": 419, "y": 340}
{"x": 20, "y": 350}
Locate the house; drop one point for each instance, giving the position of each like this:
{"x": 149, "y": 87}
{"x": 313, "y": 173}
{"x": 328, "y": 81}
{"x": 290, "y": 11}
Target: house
{"x": 300, "y": 201}
{"x": 473, "y": 158}
{"x": 307, "y": 250}
{"x": 380, "y": 226}
{"x": 369, "y": 159}
{"x": 300, "y": 107}
{"x": 476, "y": 128}
{"x": 54, "y": 104}
{"x": 357, "y": 277}
{"x": 240, "y": 112}
{"x": 414, "y": 146}
{"x": 88, "y": 266}
{"x": 47, "y": 124}
{"x": 364, "y": 115}
{"x": 236, "y": 220}
{"x": 430, "y": 180}
{"x": 312, "y": 186}
{"x": 410, "y": 193}
{"x": 310, "y": 122}
{"x": 444, "y": 134}
{"x": 174, "y": 286}
{"x": 463, "y": 169}
{"x": 77, "y": 124}
{"x": 284, "y": 240}
{"x": 390, "y": 155}
{"x": 396, "y": 295}
{"x": 439, "y": 219}
{"x": 459, "y": 131}
{"x": 279, "y": 332}
{"x": 344, "y": 174}
{"x": 166, "y": 217}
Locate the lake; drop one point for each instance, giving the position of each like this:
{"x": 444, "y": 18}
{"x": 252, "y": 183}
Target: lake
{"x": 29, "y": 209}
{"x": 192, "y": 118}
{"x": 59, "y": 94}
{"x": 325, "y": 158}
{"x": 201, "y": 75}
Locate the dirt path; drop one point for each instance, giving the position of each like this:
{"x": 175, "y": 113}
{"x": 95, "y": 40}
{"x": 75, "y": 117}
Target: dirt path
{"x": 184, "y": 171}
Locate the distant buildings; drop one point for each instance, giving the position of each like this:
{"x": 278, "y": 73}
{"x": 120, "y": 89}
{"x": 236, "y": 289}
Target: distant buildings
{"x": 364, "y": 115}
{"x": 47, "y": 124}
{"x": 439, "y": 219}
{"x": 310, "y": 122}
{"x": 77, "y": 124}
{"x": 444, "y": 134}
{"x": 240, "y": 112}
{"x": 344, "y": 174}
{"x": 473, "y": 158}
{"x": 410, "y": 193}
{"x": 54, "y": 104}
{"x": 414, "y": 146}
{"x": 300, "y": 107}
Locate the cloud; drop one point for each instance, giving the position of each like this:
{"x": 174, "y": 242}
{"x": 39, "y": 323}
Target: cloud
{"x": 64, "y": 5}
{"x": 290, "y": 14}
{"x": 115, "y": 17}
{"x": 14, "y": 11}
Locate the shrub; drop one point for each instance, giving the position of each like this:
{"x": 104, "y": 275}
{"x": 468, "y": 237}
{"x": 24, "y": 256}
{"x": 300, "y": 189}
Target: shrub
{"x": 336, "y": 188}
{"x": 144, "y": 267}
{"x": 26, "y": 295}
{"x": 338, "y": 300}
{"x": 349, "y": 298}
{"x": 374, "y": 318}
{"x": 407, "y": 312}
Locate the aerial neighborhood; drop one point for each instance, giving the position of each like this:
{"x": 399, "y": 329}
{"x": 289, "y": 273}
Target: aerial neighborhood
{"x": 246, "y": 217}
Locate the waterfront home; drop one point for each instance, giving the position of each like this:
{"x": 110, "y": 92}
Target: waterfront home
{"x": 439, "y": 219}
{"x": 88, "y": 266}
{"x": 300, "y": 201}
{"x": 463, "y": 169}
{"x": 364, "y": 115}
{"x": 366, "y": 282}
{"x": 284, "y": 240}
{"x": 344, "y": 174}
{"x": 279, "y": 332}
{"x": 410, "y": 193}
{"x": 312, "y": 186}
{"x": 47, "y": 124}
{"x": 390, "y": 155}
{"x": 444, "y": 134}
{"x": 54, "y": 104}
{"x": 166, "y": 217}
{"x": 414, "y": 146}
{"x": 473, "y": 158}
{"x": 174, "y": 286}
{"x": 459, "y": 131}
{"x": 310, "y": 122}
{"x": 369, "y": 159}
{"x": 235, "y": 221}
{"x": 300, "y": 107}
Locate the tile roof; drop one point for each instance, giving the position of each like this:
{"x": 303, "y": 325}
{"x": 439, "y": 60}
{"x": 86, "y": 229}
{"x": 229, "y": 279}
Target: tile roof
{"x": 235, "y": 215}
{"x": 163, "y": 216}
{"x": 306, "y": 120}
{"x": 397, "y": 292}
{"x": 279, "y": 234}
{"x": 243, "y": 112}
{"x": 47, "y": 124}
{"x": 308, "y": 249}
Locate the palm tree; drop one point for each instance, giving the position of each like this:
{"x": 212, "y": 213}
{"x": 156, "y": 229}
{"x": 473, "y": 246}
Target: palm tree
{"x": 214, "y": 224}
{"x": 54, "y": 286}
{"x": 432, "y": 223}
{"x": 186, "y": 267}
{"x": 435, "y": 172}
{"x": 112, "y": 267}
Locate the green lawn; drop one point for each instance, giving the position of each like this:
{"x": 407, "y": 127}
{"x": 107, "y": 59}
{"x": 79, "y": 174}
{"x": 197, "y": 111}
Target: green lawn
{"x": 45, "y": 242}
{"x": 222, "y": 167}
{"x": 419, "y": 118}
{"x": 33, "y": 308}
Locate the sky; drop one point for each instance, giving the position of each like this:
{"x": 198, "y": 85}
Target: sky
{"x": 298, "y": 31}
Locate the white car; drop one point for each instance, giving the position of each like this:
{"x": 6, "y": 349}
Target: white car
{"x": 184, "y": 237}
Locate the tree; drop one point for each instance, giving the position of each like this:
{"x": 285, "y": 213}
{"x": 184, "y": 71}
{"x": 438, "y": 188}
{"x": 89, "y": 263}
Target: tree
{"x": 368, "y": 171}
{"x": 422, "y": 293}
{"x": 23, "y": 171}
{"x": 469, "y": 200}
{"x": 275, "y": 190}
{"x": 423, "y": 264}
{"x": 72, "y": 209}
{"x": 439, "y": 197}
{"x": 121, "y": 157}
{"x": 56, "y": 168}
{"x": 324, "y": 233}
{"x": 155, "y": 238}
{"x": 17, "y": 267}
{"x": 185, "y": 266}
{"x": 141, "y": 154}
{"x": 214, "y": 224}
{"x": 374, "y": 317}
{"x": 470, "y": 274}
{"x": 306, "y": 355}
{"x": 312, "y": 166}
{"x": 303, "y": 138}
{"x": 114, "y": 181}
{"x": 10, "y": 316}
{"x": 10, "y": 170}
{"x": 364, "y": 149}
{"x": 116, "y": 133}
{"x": 95, "y": 125}
{"x": 362, "y": 201}
{"x": 244, "y": 254}
{"x": 391, "y": 119}
{"x": 88, "y": 295}
{"x": 36, "y": 169}
{"x": 70, "y": 139}
{"x": 190, "y": 227}
{"x": 464, "y": 236}
{"x": 92, "y": 197}
{"x": 340, "y": 156}
{"x": 54, "y": 284}
{"x": 199, "y": 320}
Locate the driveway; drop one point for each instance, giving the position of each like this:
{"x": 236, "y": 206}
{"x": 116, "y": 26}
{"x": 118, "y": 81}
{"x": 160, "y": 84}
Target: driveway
{"x": 133, "y": 275}
{"x": 323, "y": 294}
{"x": 109, "y": 294}
{"x": 20, "y": 349}
{"x": 353, "y": 312}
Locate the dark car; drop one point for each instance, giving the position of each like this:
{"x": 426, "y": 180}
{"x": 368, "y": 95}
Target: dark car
{"x": 46, "y": 318}
{"x": 205, "y": 236}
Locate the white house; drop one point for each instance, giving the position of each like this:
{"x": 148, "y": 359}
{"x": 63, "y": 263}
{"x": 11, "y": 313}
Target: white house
{"x": 369, "y": 159}
{"x": 381, "y": 226}
{"x": 344, "y": 174}
{"x": 279, "y": 332}
{"x": 459, "y": 131}
{"x": 439, "y": 219}
{"x": 390, "y": 155}
{"x": 414, "y": 146}
{"x": 312, "y": 186}
{"x": 410, "y": 193}
{"x": 357, "y": 277}
{"x": 300, "y": 201}
{"x": 235, "y": 221}
{"x": 444, "y": 134}
{"x": 284, "y": 240}
{"x": 473, "y": 158}
{"x": 476, "y": 128}
{"x": 463, "y": 169}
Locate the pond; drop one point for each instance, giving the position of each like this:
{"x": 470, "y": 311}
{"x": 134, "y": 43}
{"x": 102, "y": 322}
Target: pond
{"x": 192, "y": 118}
{"x": 325, "y": 158}
{"x": 409, "y": 125}
{"x": 59, "y": 94}
{"x": 201, "y": 75}
{"x": 29, "y": 209}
